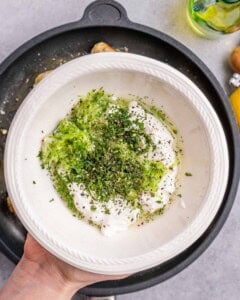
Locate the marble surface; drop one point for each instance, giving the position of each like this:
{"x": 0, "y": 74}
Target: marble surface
{"x": 216, "y": 274}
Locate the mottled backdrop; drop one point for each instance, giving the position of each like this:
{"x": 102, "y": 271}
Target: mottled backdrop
{"x": 216, "y": 274}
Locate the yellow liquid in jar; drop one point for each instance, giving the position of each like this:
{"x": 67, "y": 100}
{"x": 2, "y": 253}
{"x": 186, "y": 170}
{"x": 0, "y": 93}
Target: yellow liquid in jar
{"x": 210, "y": 17}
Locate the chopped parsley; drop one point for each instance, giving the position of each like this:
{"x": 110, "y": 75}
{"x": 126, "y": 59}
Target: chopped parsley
{"x": 175, "y": 131}
{"x": 188, "y": 174}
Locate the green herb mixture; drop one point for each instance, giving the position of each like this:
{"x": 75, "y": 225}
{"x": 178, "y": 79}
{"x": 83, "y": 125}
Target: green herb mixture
{"x": 99, "y": 145}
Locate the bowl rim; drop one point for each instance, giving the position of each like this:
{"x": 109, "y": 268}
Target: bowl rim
{"x": 110, "y": 60}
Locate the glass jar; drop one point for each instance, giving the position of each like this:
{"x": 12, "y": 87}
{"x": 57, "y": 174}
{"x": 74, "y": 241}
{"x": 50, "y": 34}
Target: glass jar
{"x": 212, "y": 18}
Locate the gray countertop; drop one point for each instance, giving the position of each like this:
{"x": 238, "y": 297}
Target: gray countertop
{"x": 216, "y": 274}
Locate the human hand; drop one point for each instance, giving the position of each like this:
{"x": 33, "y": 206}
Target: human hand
{"x": 41, "y": 275}
{"x": 34, "y": 252}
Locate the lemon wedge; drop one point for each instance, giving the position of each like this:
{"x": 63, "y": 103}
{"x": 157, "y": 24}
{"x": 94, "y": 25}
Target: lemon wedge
{"x": 235, "y": 101}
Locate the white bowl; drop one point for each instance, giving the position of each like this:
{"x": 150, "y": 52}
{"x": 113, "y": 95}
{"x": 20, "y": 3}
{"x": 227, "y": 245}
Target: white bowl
{"x": 139, "y": 248}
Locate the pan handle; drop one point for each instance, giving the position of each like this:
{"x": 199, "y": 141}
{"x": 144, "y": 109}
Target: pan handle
{"x": 104, "y": 12}
{"x": 99, "y": 298}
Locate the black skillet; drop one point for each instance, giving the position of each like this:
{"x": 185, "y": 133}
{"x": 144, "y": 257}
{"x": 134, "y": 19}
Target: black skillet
{"x": 106, "y": 20}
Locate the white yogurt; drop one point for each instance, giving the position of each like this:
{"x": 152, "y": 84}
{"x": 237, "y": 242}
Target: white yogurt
{"x": 121, "y": 215}
{"x": 164, "y": 152}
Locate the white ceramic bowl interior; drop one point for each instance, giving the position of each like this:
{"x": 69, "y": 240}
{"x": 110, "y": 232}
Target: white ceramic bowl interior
{"x": 139, "y": 248}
